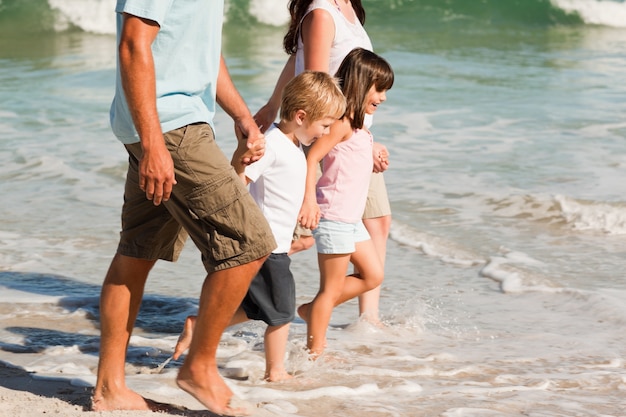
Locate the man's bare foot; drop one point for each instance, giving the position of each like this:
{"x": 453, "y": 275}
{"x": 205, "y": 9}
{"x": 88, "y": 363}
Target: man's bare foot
{"x": 212, "y": 392}
{"x": 184, "y": 340}
{"x": 126, "y": 400}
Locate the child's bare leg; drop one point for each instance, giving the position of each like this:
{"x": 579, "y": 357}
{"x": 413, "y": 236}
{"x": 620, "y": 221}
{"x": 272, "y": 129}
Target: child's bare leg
{"x": 275, "y": 347}
{"x": 184, "y": 340}
{"x": 370, "y": 272}
{"x": 301, "y": 244}
{"x": 332, "y": 279}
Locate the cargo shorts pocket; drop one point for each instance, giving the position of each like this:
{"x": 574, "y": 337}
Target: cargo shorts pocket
{"x": 217, "y": 209}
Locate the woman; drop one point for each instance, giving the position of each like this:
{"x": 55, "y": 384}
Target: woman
{"x": 321, "y": 33}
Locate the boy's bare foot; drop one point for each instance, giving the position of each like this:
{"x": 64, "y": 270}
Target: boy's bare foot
{"x": 304, "y": 311}
{"x": 184, "y": 340}
{"x": 212, "y": 392}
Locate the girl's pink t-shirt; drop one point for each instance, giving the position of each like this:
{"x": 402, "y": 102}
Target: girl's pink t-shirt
{"x": 342, "y": 188}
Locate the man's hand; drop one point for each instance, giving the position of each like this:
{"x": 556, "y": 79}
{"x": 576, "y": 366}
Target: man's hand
{"x": 249, "y": 135}
{"x": 156, "y": 173}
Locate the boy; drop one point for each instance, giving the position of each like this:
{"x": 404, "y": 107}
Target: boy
{"x": 311, "y": 102}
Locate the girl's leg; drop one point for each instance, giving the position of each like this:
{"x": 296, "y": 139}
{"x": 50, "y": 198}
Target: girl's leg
{"x": 333, "y": 270}
{"x": 370, "y": 272}
{"x": 336, "y": 288}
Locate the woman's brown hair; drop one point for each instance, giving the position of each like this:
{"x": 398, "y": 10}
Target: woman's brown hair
{"x": 297, "y": 10}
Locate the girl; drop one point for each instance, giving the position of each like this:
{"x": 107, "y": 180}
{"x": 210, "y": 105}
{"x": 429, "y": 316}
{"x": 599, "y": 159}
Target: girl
{"x": 334, "y": 207}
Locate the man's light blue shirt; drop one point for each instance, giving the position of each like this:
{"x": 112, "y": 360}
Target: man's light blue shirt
{"x": 186, "y": 55}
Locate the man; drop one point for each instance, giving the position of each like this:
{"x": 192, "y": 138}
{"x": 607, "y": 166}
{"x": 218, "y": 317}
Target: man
{"x": 170, "y": 76}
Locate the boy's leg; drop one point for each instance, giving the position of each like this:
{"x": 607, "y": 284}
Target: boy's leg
{"x": 184, "y": 340}
{"x": 119, "y": 305}
{"x": 275, "y": 348}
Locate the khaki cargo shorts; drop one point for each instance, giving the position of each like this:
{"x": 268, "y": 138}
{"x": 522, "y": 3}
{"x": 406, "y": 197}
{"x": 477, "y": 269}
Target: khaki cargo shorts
{"x": 209, "y": 203}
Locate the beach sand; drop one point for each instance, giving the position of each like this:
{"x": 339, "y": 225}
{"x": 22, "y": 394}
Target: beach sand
{"x": 23, "y": 394}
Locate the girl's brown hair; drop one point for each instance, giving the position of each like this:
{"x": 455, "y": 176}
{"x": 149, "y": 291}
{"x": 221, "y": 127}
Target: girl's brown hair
{"x": 359, "y": 71}
{"x": 297, "y": 10}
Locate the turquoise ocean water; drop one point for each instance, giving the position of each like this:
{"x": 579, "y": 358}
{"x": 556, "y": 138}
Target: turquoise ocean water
{"x": 505, "y": 284}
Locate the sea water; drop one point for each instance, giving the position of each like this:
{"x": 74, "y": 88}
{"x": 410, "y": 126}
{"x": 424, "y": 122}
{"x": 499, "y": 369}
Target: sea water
{"x": 504, "y": 290}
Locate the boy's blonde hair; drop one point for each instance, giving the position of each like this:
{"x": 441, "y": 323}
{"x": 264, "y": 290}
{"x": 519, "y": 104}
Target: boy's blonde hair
{"x": 315, "y": 92}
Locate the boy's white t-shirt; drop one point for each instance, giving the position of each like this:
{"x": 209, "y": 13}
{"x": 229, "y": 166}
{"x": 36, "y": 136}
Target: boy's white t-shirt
{"x": 277, "y": 186}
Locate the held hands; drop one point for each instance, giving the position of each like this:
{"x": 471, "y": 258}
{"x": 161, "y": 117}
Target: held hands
{"x": 250, "y": 141}
{"x": 381, "y": 157}
{"x": 309, "y": 216}
{"x": 156, "y": 173}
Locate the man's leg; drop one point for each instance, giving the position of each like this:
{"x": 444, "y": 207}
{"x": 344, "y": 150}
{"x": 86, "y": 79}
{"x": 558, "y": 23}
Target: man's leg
{"x": 120, "y": 300}
{"x": 222, "y": 293}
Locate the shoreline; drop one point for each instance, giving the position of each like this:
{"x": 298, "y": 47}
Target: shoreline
{"x": 25, "y": 394}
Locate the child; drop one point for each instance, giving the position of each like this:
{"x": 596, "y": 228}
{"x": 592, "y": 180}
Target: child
{"x": 334, "y": 207}
{"x": 311, "y": 102}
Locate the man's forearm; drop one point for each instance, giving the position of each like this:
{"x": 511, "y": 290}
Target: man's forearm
{"x": 138, "y": 77}
{"x": 228, "y": 97}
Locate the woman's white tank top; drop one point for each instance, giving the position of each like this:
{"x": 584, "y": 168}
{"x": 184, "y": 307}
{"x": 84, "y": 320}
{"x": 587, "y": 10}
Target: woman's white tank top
{"x": 347, "y": 37}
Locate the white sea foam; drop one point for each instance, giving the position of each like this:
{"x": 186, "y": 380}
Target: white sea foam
{"x": 96, "y": 16}
{"x": 271, "y": 12}
{"x": 434, "y": 246}
{"x": 597, "y": 12}
{"x": 9, "y": 295}
{"x": 593, "y": 216}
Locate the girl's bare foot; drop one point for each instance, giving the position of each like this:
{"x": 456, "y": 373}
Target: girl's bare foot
{"x": 184, "y": 340}
{"x": 304, "y": 311}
